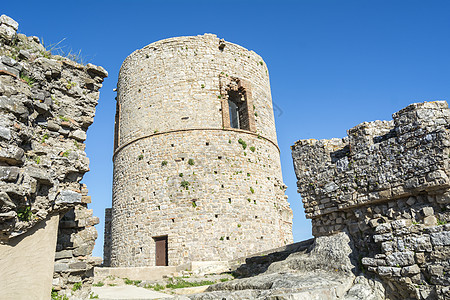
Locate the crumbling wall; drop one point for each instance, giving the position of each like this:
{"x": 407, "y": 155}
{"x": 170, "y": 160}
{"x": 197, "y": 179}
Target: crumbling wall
{"x": 47, "y": 103}
{"x": 387, "y": 185}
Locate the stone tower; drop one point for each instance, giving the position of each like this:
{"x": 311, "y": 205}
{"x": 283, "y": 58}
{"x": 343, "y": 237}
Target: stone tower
{"x": 197, "y": 172}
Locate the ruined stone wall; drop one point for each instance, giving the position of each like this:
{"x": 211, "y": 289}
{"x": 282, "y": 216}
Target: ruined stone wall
{"x": 387, "y": 185}
{"x": 47, "y": 103}
{"x": 180, "y": 170}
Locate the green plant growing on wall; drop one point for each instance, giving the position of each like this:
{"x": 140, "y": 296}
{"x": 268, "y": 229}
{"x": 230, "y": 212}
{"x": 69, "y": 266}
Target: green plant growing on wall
{"x": 181, "y": 174}
{"x": 203, "y": 86}
{"x": 252, "y": 149}
{"x": 70, "y": 84}
{"x": 164, "y": 163}
{"x": 44, "y": 138}
{"x": 66, "y": 153}
{"x": 64, "y": 118}
{"x": 141, "y": 157}
{"x": 194, "y": 204}
{"x": 243, "y": 143}
{"x": 76, "y": 286}
{"x": 441, "y": 222}
{"x": 25, "y": 214}
{"x": 252, "y": 190}
{"x": 55, "y": 296}
{"x": 99, "y": 284}
{"x": 37, "y": 159}
{"x": 191, "y": 162}
{"x": 27, "y": 79}
{"x": 185, "y": 184}
{"x": 222, "y": 238}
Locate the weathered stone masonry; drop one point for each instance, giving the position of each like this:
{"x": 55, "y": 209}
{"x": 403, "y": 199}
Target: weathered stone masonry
{"x": 47, "y": 103}
{"x": 184, "y": 169}
{"x": 387, "y": 185}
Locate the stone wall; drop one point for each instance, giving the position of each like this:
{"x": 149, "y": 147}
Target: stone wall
{"x": 179, "y": 169}
{"x": 387, "y": 185}
{"x": 47, "y": 103}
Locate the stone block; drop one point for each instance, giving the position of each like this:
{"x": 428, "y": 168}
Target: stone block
{"x": 383, "y": 228}
{"x": 78, "y": 135}
{"x": 86, "y": 199}
{"x": 5, "y": 20}
{"x": 428, "y": 211}
{"x": 410, "y": 270}
{"x": 68, "y": 197}
{"x": 63, "y": 254}
{"x": 420, "y": 258}
{"x": 12, "y": 155}
{"x": 5, "y": 133}
{"x": 39, "y": 174}
{"x": 430, "y": 221}
{"x": 400, "y": 258}
{"x": 13, "y": 106}
{"x": 383, "y": 237}
{"x": 59, "y": 267}
{"x": 83, "y": 250}
{"x": 9, "y": 174}
{"x": 78, "y": 266}
{"x": 418, "y": 243}
{"x": 440, "y": 238}
{"x": 436, "y": 270}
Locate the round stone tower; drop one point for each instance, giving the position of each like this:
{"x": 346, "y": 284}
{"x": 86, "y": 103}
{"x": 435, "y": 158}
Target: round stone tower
{"x": 197, "y": 173}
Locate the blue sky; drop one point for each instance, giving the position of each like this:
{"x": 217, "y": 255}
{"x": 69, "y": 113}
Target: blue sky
{"x": 332, "y": 64}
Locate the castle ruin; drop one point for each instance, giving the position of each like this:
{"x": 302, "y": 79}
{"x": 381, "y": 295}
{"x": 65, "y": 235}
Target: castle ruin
{"x": 387, "y": 186}
{"x": 197, "y": 173}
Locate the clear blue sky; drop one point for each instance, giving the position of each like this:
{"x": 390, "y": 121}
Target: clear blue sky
{"x": 332, "y": 64}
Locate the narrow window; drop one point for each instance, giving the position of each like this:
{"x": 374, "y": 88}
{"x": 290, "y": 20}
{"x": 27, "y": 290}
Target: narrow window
{"x": 238, "y": 109}
{"x": 234, "y": 114}
{"x": 117, "y": 126}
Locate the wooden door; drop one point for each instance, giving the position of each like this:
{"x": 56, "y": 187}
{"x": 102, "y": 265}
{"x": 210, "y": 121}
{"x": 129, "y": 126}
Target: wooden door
{"x": 161, "y": 251}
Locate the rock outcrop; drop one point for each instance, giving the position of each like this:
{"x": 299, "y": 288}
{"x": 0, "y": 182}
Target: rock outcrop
{"x": 323, "y": 268}
{"x": 47, "y": 103}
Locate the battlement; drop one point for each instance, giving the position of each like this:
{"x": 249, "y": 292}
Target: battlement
{"x": 376, "y": 162}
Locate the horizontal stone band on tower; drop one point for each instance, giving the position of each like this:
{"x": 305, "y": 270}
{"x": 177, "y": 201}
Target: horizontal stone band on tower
{"x": 192, "y": 129}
